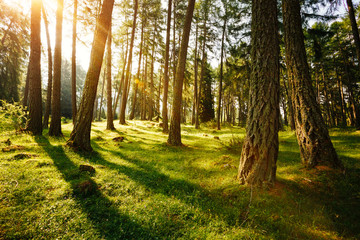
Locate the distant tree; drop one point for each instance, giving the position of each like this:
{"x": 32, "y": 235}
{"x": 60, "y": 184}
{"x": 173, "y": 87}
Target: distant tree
{"x": 127, "y": 76}
{"x": 260, "y": 149}
{"x": 80, "y": 136}
{"x": 73, "y": 62}
{"x": 166, "y": 71}
{"x": 55, "y": 124}
{"x": 50, "y": 72}
{"x": 109, "y": 116}
{"x": 34, "y": 123}
{"x": 175, "y": 130}
{"x": 206, "y": 109}
{"x": 312, "y": 135}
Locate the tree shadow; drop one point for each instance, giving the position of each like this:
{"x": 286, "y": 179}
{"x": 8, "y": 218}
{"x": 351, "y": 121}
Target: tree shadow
{"x": 106, "y": 218}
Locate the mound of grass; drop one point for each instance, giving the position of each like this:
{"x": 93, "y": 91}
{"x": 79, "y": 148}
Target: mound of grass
{"x": 144, "y": 189}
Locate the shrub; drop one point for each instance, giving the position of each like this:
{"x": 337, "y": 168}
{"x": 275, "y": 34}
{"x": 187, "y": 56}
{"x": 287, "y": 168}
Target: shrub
{"x": 14, "y": 114}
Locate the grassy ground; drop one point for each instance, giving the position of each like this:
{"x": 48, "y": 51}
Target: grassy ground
{"x": 144, "y": 189}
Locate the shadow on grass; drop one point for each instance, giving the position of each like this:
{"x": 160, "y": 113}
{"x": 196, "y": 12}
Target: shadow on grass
{"x": 109, "y": 222}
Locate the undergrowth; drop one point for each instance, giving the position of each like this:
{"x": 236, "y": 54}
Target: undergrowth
{"x": 144, "y": 189}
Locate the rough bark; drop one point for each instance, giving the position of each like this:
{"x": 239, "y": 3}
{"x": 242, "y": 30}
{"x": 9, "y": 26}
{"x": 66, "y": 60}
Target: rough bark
{"x": 175, "y": 130}
{"x": 127, "y": 78}
{"x": 50, "y": 73}
{"x": 109, "y": 115}
{"x": 354, "y": 27}
{"x": 260, "y": 150}
{"x": 73, "y": 63}
{"x": 102, "y": 94}
{"x": 166, "y": 72}
{"x": 313, "y": 137}
{"x": 34, "y": 123}
{"x": 80, "y": 136}
{"x": 55, "y": 124}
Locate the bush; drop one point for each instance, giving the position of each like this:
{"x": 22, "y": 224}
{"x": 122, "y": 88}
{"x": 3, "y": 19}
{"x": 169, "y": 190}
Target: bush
{"x": 234, "y": 144}
{"x": 14, "y": 114}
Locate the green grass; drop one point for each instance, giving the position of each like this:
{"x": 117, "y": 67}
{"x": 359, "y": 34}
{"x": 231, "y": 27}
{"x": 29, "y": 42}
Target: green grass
{"x": 146, "y": 189}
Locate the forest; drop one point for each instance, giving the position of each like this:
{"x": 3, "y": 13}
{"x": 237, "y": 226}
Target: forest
{"x": 179, "y": 119}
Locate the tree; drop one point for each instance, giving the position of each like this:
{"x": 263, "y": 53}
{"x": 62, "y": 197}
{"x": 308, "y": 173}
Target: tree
{"x": 109, "y": 116}
{"x": 175, "y": 130}
{"x": 127, "y": 78}
{"x": 34, "y": 123}
{"x": 55, "y": 124}
{"x": 260, "y": 148}
{"x": 312, "y": 135}
{"x": 50, "y": 73}
{"x": 166, "y": 72}
{"x": 80, "y": 136}
{"x": 73, "y": 63}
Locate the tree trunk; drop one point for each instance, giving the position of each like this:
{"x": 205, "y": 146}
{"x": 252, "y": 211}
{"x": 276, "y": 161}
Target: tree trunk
{"x": 55, "y": 124}
{"x": 121, "y": 85}
{"x": 354, "y": 28}
{"x": 221, "y": 74}
{"x": 50, "y": 69}
{"x": 127, "y": 78}
{"x": 136, "y": 82}
{"x": 34, "y": 123}
{"x": 109, "y": 115}
{"x": 80, "y": 136}
{"x": 151, "y": 99}
{"x": 102, "y": 94}
{"x": 73, "y": 64}
{"x": 260, "y": 149}
{"x": 313, "y": 137}
{"x": 166, "y": 72}
{"x": 193, "y": 118}
{"x": 175, "y": 130}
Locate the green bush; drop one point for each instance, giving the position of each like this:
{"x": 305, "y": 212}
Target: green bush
{"x": 13, "y": 114}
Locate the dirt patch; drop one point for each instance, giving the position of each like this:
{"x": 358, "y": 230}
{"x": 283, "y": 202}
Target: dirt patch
{"x": 278, "y": 189}
{"x": 118, "y": 139}
{"x": 23, "y": 156}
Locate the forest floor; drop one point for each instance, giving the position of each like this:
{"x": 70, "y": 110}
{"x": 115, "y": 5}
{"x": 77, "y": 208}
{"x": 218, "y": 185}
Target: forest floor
{"x": 144, "y": 189}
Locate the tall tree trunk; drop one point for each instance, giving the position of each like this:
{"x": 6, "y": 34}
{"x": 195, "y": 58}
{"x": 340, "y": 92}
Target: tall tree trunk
{"x": 221, "y": 74}
{"x": 166, "y": 72}
{"x": 121, "y": 85}
{"x": 26, "y": 89}
{"x": 73, "y": 63}
{"x": 127, "y": 78}
{"x": 193, "y": 118}
{"x": 109, "y": 115}
{"x": 55, "y": 124}
{"x": 102, "y": 94}
{"x": 151, "y": 99}
{"x": 50, "y": 69}
{"x": 143, "y": 91}
{"x": 136, "y": 82}
{"x": 80, "y": 136}
{"x": 34, "y": 123}
{"x": 260, "y": 149}
{"x": 312, "y": 135}
{"x": 175, "y": 130}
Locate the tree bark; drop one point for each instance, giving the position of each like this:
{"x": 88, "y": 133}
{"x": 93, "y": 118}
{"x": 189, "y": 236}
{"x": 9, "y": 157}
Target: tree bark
{"x": 102, "y": 94}
{"x": 73, "y": 63}
{"x": 260, "y": 150}
{"x": 127, "y": 78}
{"x": 151, "y": 98}
{"x": 109, "y": 115}
{"x": 55, "y": 124}
{"x": 354, "y": 28}
{"x": 166, "y": 72}
{"x": 34, "y": 123}
{"x": 80, "y": 136}
{"x": 313, "y": 137}
{"x": 175, "y": 130}
{"x": 50, "y": 74}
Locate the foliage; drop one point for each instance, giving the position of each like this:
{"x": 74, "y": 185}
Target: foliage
{"x": 234, "y": 144}
{"x": 13, "y": 113}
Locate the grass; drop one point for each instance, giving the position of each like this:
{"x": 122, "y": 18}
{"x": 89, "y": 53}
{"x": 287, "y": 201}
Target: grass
{"x": 145, "y": 189}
